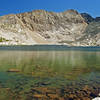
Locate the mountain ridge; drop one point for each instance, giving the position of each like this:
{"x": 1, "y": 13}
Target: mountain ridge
{"x": 43, "y": 27}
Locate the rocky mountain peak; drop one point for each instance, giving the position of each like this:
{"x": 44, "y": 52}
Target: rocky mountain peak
{"x": 71, "y": 11}
{"x": 43, "y": 27}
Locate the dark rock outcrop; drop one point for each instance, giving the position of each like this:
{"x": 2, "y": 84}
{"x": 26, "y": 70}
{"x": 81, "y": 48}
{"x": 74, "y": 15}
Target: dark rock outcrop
{"x": 88, "y": 18}
{"x": 97, "y": 19}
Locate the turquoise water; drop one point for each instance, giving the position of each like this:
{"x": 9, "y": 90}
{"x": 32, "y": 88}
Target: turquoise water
{"x": 47, "y": 69}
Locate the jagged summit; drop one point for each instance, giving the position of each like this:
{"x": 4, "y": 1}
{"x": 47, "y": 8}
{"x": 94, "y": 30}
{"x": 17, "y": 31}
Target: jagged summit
{"x": 71, "y": 11}
{"x": 88, "y": 18}
{"x": 43, "y": 27}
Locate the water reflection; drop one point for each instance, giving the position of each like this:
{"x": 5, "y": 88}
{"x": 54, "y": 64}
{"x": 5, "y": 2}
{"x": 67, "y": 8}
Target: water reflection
{"x": 67, "y": 63}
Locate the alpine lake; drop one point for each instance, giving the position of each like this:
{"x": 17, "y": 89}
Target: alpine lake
{"x": 46, "y": 72}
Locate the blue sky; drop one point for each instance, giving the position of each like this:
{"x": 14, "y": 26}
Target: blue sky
{"x": 17, "y": 6}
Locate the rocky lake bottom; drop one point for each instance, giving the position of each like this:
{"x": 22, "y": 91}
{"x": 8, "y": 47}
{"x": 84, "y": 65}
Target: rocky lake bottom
{"x": 22, "y": 87}
{"x": 49, "y": 75}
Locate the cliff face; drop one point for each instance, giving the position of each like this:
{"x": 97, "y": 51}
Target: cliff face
{"x": 42, "y": 27}
{"x": 14, "y": 32}
{"x": 55, "y": 27}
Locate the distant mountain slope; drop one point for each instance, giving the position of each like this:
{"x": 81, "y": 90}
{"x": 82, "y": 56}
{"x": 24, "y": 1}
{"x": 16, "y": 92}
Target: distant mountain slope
{"x": 42, "y": 27}
{"x": 91, "y": 35}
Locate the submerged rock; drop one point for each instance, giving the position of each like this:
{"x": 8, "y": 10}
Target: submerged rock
{"x": 13, "y": 70}
{"x": 39, "y": 96}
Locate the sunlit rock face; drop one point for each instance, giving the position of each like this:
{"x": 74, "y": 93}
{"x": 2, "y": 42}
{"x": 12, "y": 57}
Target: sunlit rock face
{"x": 62, "y": 27}
{"x": 13, "y": 32}
{"x": 42, "y": 27}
